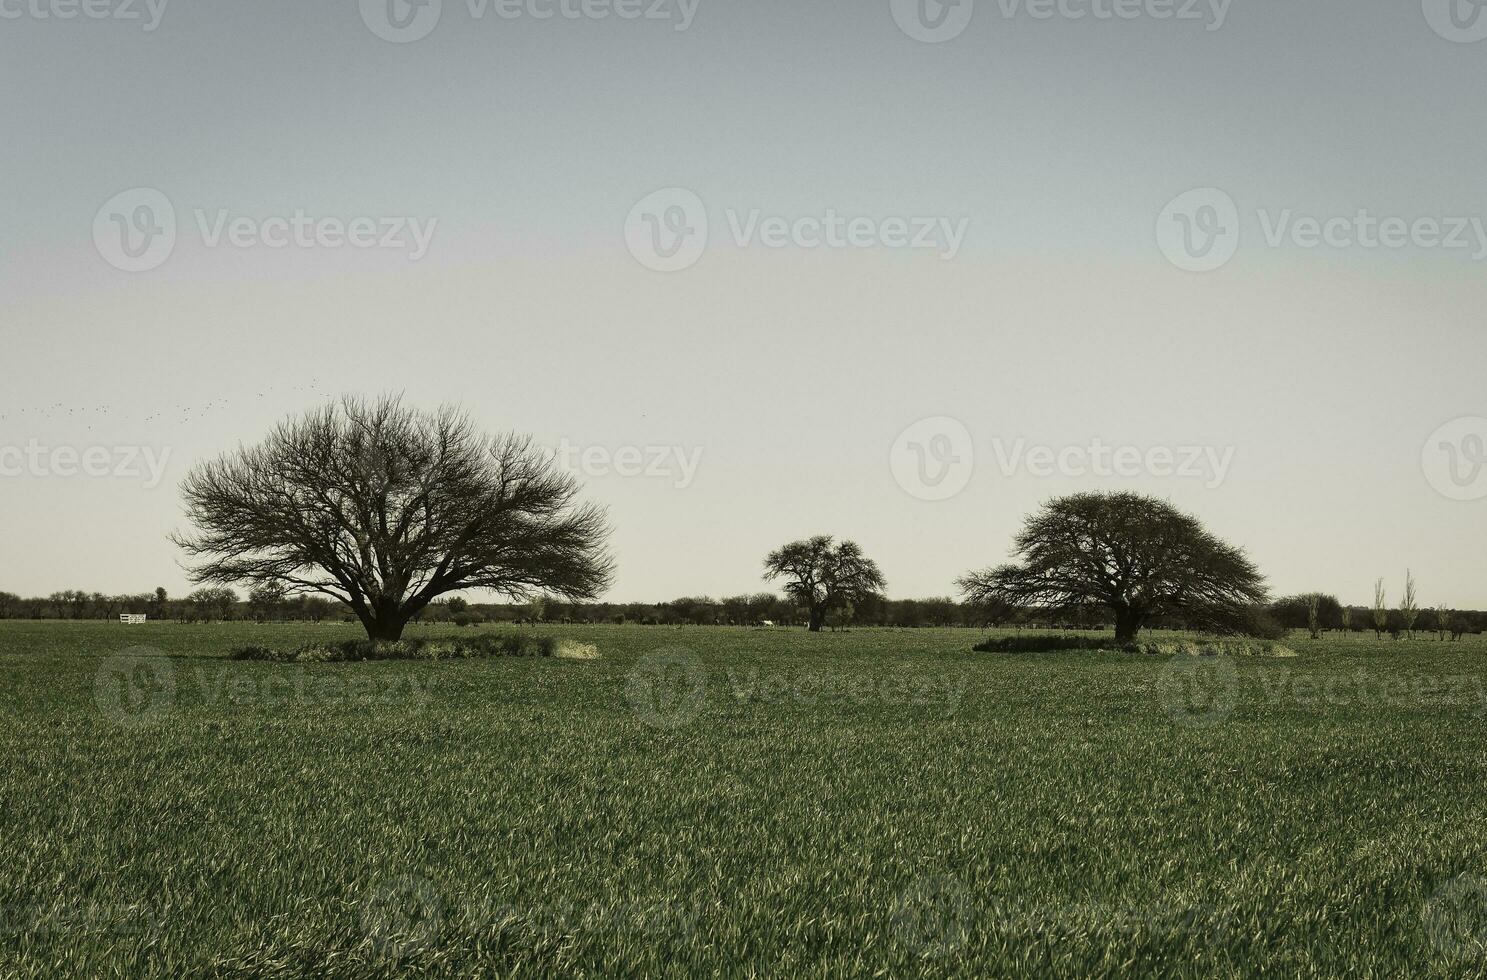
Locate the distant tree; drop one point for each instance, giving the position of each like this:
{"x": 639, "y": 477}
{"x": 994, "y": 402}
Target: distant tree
{"x": 1442, "y": 621}
{"x": 1380, "y": 609}
{"x": 457, "y": 605}
{"x": 537, "y": 608}
{"x": 1466, "y": 622}
{"x": 841, "y": 617}
{"x": 315, "y": 608}
{"x": 822, "y": 576}
{"x": 69, "y": 603}
{"x": 266, "y": 601}
{"x": 385, "y": 509}
{"x": 691, "y": 610}
{"x": 102, "y": 606}
{"x": 1313, "y": 619}
{"x": 940, "y": 611}
{"x": 1294, "y": 612}
{"x": 1409, "y": 608}
{"x": 158, "y": 603}
{"x": 1347, "y": 619}
{"x": 735, "y": 609}
{"x": 1138, "y": 556}
{"x": 761, "y": 606}
{"x": 908, "y": 613}
{"x": 10, "y": 605}
{"x": 212, "y": 603}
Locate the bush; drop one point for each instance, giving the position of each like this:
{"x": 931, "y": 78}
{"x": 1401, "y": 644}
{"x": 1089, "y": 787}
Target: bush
{"x": 1257, "y": 622}
{"x": 461, "y": 648}
{"x": 254, "y": 652}
{"x": 568, "y": 650}
{"x": 1041, "y": 644}
{"x": 1161, "y": 648}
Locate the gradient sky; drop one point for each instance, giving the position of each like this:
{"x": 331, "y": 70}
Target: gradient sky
{"x": 792, "y": 370}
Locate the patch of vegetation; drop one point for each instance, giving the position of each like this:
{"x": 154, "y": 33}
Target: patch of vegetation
{"x": 1039, "y": 643}
{"x": 1035, "y": 643}
{"x": 730, "y": 802}
{"x": 422, "y": 648}
{"x": 568, "y": 650}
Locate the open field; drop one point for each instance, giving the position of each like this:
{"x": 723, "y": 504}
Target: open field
{"x": 733, "y": 801}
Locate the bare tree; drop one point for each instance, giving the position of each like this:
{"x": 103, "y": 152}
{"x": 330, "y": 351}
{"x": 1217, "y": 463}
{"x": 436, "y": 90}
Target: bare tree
{"x": 1138, "y": 556}
{"x": 1380, "y": 609}
{"x": 824, "y": 576}
{"x": 1409, "y": 609}
{"x": 385, "y": 508}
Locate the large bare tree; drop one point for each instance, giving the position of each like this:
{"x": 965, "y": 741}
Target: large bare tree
{"x": 823, "y": 576}
{"x": 1138, "y": 556}
{"x": 384, "y": 508}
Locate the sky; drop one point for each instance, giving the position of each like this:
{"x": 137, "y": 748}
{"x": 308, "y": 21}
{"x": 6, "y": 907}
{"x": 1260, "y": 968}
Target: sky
{"x": 894, "y": 271}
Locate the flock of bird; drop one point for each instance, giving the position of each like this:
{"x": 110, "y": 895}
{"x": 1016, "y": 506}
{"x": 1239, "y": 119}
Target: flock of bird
{"x": 179, "y": 414}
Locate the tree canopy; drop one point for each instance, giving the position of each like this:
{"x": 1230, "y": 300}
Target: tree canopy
{"x": 823, "y": 576}
{"x": 385, "y": 508}
{"x": 1138, "y": 556}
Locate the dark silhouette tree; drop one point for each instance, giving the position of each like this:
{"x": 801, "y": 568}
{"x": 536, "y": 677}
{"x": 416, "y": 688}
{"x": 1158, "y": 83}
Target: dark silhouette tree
{"x": 1137, "y": 556}
{"x": 824, "y": 576}
{"x": 1294, "y": 612}
{"x": 385, "y": 508}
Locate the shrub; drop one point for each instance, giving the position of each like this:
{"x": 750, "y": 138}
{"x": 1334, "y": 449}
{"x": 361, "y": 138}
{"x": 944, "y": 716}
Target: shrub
{"x": 568, "y": 650}
{"x": 1161, "y": 648}
{"x": 254, "y": 652}
{"x": 1256, "y": 622}
{"x": 460, "y": 648}
{"x": 1042, "y": 644}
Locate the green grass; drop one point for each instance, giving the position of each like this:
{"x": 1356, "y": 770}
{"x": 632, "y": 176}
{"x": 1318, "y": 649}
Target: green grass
{"x": 738, "y": 802}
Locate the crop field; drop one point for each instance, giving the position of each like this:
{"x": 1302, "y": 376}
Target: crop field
{"x": 737, "y": 802}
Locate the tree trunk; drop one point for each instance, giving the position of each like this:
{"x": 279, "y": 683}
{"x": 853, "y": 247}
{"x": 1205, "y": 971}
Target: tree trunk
{"x": 383, "y": 624}
{"x": 817, "y": 615}
{"x": 390, "y": 630}
{"x": 1127, "y": 625}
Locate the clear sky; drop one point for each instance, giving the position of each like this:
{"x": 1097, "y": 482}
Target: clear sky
{"x": 1311, "y": 370}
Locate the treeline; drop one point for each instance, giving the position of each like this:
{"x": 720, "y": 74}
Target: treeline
{"x": 1314, "y": 611}
{"x": 201, "y": 606}
{"x": 1319, "y": 613}
{"x": 269, "y": 605}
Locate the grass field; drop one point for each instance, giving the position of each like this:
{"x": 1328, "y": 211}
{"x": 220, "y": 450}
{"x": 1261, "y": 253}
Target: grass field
{"x": 738, "y": 802}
